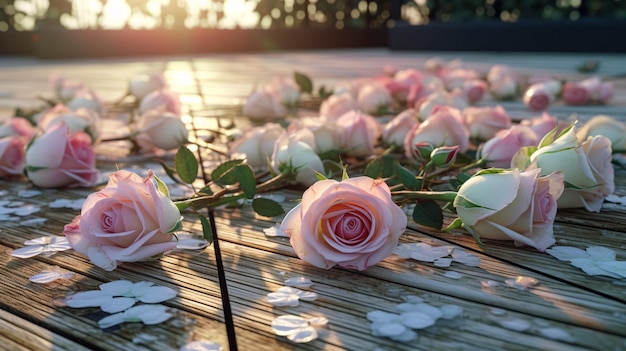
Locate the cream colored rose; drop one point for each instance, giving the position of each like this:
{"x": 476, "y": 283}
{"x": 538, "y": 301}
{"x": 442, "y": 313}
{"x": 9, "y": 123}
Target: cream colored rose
{"x": 511, "y": 205}
{"x": 586, "y": 166}
{"x": 161, "y": 130}
{"x": 297, "y": 156}
{"x": 610, "y": 127}
{"x": 257, "y": 144}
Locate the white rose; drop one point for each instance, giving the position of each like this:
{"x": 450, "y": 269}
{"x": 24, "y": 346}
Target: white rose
{"x": 374, "y": 97}
{"x": 607, "y": 126}
{"x": 300, "y": 157}
{"x": 144, "y": 84}
{"x": 257, "y": 144}
{"x": 162, "y": 130}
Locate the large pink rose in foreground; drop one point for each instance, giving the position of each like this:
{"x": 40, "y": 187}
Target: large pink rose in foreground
{"x": 511, "y": 205}
{"x": 60, "y": 158}
{"x": 129, "y": 220}
{"x": 353, "y": 223}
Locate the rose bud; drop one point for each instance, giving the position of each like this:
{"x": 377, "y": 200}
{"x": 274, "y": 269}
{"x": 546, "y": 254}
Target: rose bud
{"x": 609, "y": 127}
{"x": 538, "y": 97}
{"x": 444, "y": 156}
{"x": 144, "y": 84}
{"x": 161, "y": 130}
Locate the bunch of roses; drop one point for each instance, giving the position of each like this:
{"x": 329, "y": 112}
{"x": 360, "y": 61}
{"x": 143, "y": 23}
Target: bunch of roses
{"x": 540, "y": 95}
{"x": 55, "y": 148}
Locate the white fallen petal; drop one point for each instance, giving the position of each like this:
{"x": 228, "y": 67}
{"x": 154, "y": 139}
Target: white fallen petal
{"x": 489, "y": 284}
{"x": 91, "y": 298}
{"x": 413, "y": 299}
{"x": 430, "y": 254}
{"x": 201, "y": 346}
{"x": 453, "y": 275}
{"x": 288, "y": 324}
{"x": 308, "y": 296}
{"x": 118, "y": 304}
{"x": 156, "y": 294}
{"x": 29, "y": 193}
{"x": 299, "y": 282}
{"x": 450, "y": 311}
{"x": 416, "y": 320}
{"x": 466, "y": 258}
{"x": 402, "y": 251}
{"x": 191, "y": 243}
{"x": 275, "y": 231}
{"x": 616, "y": 267}
{"x": 289, "y": 290}
{"x": 111, "y": 320}
{"x": 117, "y": 287}
{"x": 519, "y": 325}
{"x": 591, "y": 267}
{"x": 34, "y": 222}
{"x": 141, "y": 288}
{"x": 556, "y": 334}
{"x": 281, "y": 299}
{"x": 380, "y": 316}
{"x": 27, "y": 210}
{"x": 443, "y": 262}
{"x": 407, "y": 306}
{"x": 144, "y": 338}
{"x": 601, "y": 253}
{"x": 434, "y": 312}
{"x": 567, "y": 253}
{"x": 48, "y": 276}
{"x": 27, "y": 251}
{"x": 390, "y": 329}
{"x": 318, "y": 322}
{"x": 149, "y": 314}
{"x": 303, "y": 335}
{"x": 521, "y": 282}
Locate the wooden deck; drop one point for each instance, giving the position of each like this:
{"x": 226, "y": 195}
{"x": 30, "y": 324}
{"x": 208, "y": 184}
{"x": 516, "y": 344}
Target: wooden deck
{"x": 566, "y": 310}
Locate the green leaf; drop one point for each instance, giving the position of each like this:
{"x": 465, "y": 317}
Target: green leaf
{"x": 161, "y": 186}
{"x": 186, "y": 165}
{"x": 246, "y": 180}
{"x": 429, "y": 214}
{"x": 460, "y": 178}
{"x": 381, "y": 167}
{"x": 206, "y": 229}
{"x": 344, "y": 173}
{"x": 171, "y": 172}
{"x": 267, "y": 207}
{"x": 223, "y": 174}
{"x": 206, "y": 190}
{"x": 457, "y": 223}
{"x": 474, "y": 234}
{"x": 407, "y": 178}
{"x": 304, "y": 82}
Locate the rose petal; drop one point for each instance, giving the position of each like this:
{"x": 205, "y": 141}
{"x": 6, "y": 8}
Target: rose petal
{"x": 287, "y": 324}
{"x": 303, "y": 335}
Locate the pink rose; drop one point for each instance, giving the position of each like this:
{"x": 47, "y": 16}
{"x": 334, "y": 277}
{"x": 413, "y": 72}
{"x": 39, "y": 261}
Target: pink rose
{"x": 599, "y": 92}
{"x": 337, "y": 104}
{"x": 82, "y": 119}
{"x": 264, "y": 105}
{"x": 257, "y": 144}
{"x": 500, "y": 149}
{"x": 544, "y": 124}
{"x": 426, "y": 105}
{"x": 504, "y": 89}
{"x": 511, "y": 205}
{"x": 17, "y": 126}
{"x": 444, "y": 127}
{"x": 160, "y": 130}
{"x": 395, "y": 131}
{"x": 373, "y": 98}
{"x": 325, "y": 134}
{"x": 12, "y": 155}
{"x": 474, "y": 90}
{"x": 65, "y": 88}
{"x": 353, "y": 223}
{"x": 87, "y": 99}
{"x": 287, "y": 90}
{"x": 162, "y": 99}
{"x": 485, "y": 122}
{"x": 405, "y": 83}
{"x": 129, "y": 220}
{"x": 575, "y": 94}
{"x": 538, "y": 97}
{"x": 360, "y": 133}
{"x": 59, "y": 158}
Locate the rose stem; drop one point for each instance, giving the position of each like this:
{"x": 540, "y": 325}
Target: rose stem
{"x": 228, "y": 314}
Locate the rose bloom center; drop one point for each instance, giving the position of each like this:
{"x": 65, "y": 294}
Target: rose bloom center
{"x": 347, "y": 223}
